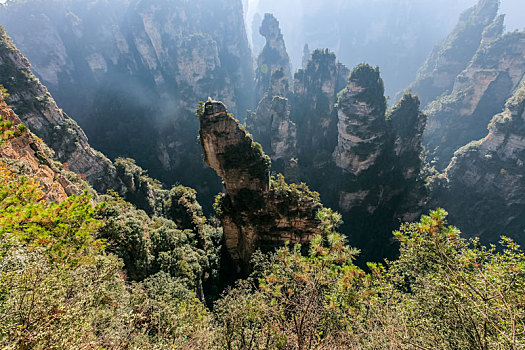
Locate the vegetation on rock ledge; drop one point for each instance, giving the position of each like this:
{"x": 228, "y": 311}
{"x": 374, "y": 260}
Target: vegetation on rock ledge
{"x": 61, "y": 288}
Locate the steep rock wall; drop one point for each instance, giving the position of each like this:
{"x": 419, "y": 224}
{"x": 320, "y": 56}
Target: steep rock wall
{"x": 129, "y": 72}
{"x": 272, "y": 58}
{"x": 378, "y": 158}
{"x": 37, "y": 109}
{"x": 485, "y": 181}
{"x": 255, "y": 211}
{"x": 452, "y": 56}
{"x": 479, "y": 92}
{"x": 315, "y": 93}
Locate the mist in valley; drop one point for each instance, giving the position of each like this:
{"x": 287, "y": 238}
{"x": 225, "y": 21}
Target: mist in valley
{"x": 262, "y": 174}
{"x": 396, "y": 35}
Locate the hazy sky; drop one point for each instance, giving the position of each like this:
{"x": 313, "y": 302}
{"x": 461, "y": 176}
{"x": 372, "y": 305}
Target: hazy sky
{"x": 393, "y": 34}
{"x": 514, "y": 10}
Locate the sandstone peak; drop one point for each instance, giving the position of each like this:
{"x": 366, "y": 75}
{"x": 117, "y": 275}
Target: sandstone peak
{"x": 255, "y": 210}
{"x": 272, "y": 58}
{"x": 453, "y": 55}
{"x": 270, "y": 27}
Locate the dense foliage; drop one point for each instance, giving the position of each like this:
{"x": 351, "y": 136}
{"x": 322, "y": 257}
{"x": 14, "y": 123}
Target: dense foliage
{"x": 442, "y": 293}
{"x": 62, "y": 288}
{"x": 59, "y": 289}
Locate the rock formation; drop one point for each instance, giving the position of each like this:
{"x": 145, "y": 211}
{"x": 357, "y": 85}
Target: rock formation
{"x": 24, "y": 154}
{"x": 453, "y": 55}
{"x": 378, "y": 154}
{"x": 362, "y": 130}
{"x": 129, "y": 72}
{"x": 364, "y": 161}
{"x": 272, "y": 127}
{"x": 485, "y": 187}
{"x": 315, "y": 94}
{"x": 479, "y": 92}
{"x": 255, "y": 212}
{"x": 37, "y": 109}
{"x": 70, "y": 147}
{"x": 272, "y": 58}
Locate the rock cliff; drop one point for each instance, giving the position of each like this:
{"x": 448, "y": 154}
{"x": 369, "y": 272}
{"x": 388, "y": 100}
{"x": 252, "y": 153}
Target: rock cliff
{"x": 485, "y": 186}
{"x": 315, "y": 93}
{"x": 453, "y": 55}
{"x": 378, "y": 156}
{"x": 37, "y": 109}
{"x": 272, "y": 58}
{"x": 479, "y": 92}
{"x": 362, "y": 130}
{"x": 129, "y": 72}
{"x": 272, "y": 127}
{"x": 255, "y": 211}
{"x": 70, "y": 147}
{"x": 334, "y": 133}
{"x": 26, "y": 155}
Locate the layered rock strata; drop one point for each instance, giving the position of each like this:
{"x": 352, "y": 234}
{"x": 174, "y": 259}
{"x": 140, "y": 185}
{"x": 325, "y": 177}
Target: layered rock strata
{"x": 479, "y": 92}
{"x": 255, "y": 211}
{"x": 485, "y": 187}
{"x": 453, "y": 55}
{"x": 37, "y": 109}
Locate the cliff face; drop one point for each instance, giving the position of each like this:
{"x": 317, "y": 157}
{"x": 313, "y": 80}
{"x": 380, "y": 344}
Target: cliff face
{"x": 377, "y": 155}
{"x": 130, "y": 71}
{"x": 364, "y": 162}
{"x": 361, "y": 121}
{"x": 69, "y": 144}
{"x": 271, "y": 124}
{"x": 272, "y": 127}
{"x": 255, "y": 212}
{"x": 315, "y": 94}
{"x": 37, "y": 109}
{"x": 479, "y": 92}
{"x": 485, "y": 193}
{"x": 408, "y": 124}
{"x": 24, "y": 154}
{"x": 298, "y": 128}
{"x": 272, "y": 58}
{"x": 453, "y": 55}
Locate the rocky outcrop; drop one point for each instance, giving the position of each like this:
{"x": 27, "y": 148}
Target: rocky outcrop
{"x": 362, "y": 130}
{"x": 453, "y": 55}
{"x": 306, "y": 56}
{"x": 485, "y": 188}
{"x": 129, "y": 72}
{"x": 342, "y": 142}
{"x": 255, "y": 212}
{"x": 272, "y": 127}
{"x": 302, "y": 127}
{"x": 378, "y": 154}
{"x": 37, "y": 109}
{"x": 69, "y": 144}
{"x": 272, "y": 58}
{"x": 315, "y": 93}
{"x": 479, "y": 92}
{"x": 26, "y": 155}
{"x": 408, "y": 123}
